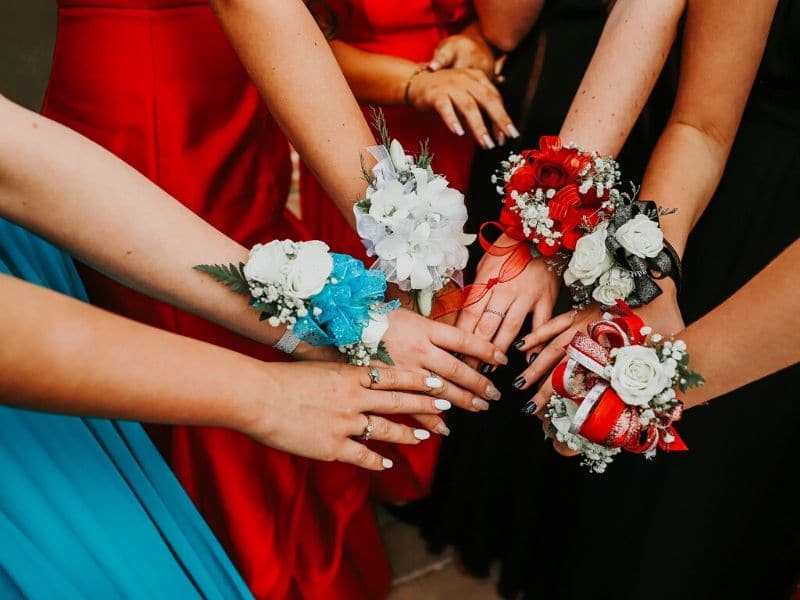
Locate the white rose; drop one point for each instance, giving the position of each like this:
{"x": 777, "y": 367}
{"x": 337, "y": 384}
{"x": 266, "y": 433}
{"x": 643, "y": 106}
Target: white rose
{"x": 590, "y": 259}
{"x": 400, "y": 160}
{"x": 266, "y": 263}
{"x": 641, "y": 236}
{"x": 637, "y": 375}
{"x": 373, "y": 333}
{"x": 614, "y": 283}
{"x": 309, "y": 271}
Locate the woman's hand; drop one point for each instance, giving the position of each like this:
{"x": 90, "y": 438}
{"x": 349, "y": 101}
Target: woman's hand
{"x": 467, "y": 93}
{"x": 465, "y": 50}
{"x": 427, "y": 347}
{"x": 320, "y": 410}
{"x": 662, "y": 315}
{"x": 500, "y": 314}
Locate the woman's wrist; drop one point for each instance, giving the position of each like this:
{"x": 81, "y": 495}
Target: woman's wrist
{"x": 409, "y": 82}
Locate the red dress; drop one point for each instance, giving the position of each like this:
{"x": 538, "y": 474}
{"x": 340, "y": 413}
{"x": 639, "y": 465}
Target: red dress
{"x": 410, "y": 29}
{"x": 157, "y": 83}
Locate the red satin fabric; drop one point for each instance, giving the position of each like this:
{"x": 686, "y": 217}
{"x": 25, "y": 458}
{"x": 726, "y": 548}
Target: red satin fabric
{"x": 157, "y": 83}
{"x": 410, "y": 29}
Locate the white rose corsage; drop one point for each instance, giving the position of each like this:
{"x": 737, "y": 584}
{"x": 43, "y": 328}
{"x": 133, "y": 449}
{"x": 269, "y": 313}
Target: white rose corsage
{"x": 616, "y": 391}
{"x": 412, "y": 221}
{"x": 323, "y": 298}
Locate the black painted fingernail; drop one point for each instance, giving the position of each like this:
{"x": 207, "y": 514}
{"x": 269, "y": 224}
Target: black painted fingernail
{"x": 519, "y": 343}
{"x": 458, "y": 355}
{"x": 486, "y": 369}
{"x": 532, "y": 358}
{"x": 530, "y": 408}
{"x": 519, "y": 382}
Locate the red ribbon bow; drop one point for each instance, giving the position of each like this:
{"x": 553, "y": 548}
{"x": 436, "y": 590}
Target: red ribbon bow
{"x": 602, "y": 416}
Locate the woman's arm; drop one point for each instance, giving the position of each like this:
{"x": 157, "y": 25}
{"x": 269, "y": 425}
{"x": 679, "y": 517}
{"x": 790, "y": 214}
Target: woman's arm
{"x": 722, "y": 50}
{"x": 635, "y": 43}
{"x": 76, "y": 194}
{"x": 505, "y": 22}
{"x": 61, "y": 355}
{"x": 290, "y": 62}
{"x": 753, "y": 334}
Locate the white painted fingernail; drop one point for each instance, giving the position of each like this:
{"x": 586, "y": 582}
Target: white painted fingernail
{"x": 387, "y": 464}
{"x": 442, "y": 429}
{"x": 480, "y": 404}
{"x": 492, "y": 392}
{"x": 422, "y": 434}
{"x": 500, "y": 357}
{"x": 442, "y": 404}
{"x": 458, "y": 129}
{"x": 433, "y": 382}
{"x": 512, "y": 131}
{"x": 487, "y": 141}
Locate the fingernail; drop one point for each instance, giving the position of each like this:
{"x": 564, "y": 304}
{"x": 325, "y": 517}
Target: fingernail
{"x": 492, "y": 392}
{"x": 530, "y": 408}
{"x": 441, "y": 404}
{"x": 512, "y": 131}
{"x": 480, "y": 404}
{"x": 422, "y": 434}
{"x": 458, "y": 129}
{"x": 433, "y": 382}
{"x": 442, "y": 429}
{"x": 488, "y": 143}
{"x": 486, "y": 369}
{"x": 501, "y": 139}
{"x": 519, "y": 382}
{"x": 433, "y": 65}
{"x": 533, "y": 357}
{"x": 519, "y": 343}
{"x": 387, "y": 464}
{"x": 458, "y": 355}
{"x": 501, "y": 358}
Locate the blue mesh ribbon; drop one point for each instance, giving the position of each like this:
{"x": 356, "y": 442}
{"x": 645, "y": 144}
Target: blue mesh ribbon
{"x": 345, "y": 305}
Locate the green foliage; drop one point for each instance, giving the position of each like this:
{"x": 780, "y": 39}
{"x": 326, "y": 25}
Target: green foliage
{"x": 230, "y": 275}
{"x": 379, "y": 123}
{"x": 382, "y": 354}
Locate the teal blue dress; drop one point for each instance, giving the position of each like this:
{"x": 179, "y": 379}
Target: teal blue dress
{"x": 88, "y": 509}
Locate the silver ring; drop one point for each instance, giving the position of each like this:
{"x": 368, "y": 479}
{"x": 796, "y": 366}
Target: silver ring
{"x": 499, "y": 313}
{"x": 367, "y": 434}
{"x": 374, "y": 376}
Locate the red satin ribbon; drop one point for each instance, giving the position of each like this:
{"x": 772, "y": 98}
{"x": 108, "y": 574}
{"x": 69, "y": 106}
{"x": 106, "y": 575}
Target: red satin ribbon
{"x": 519, "y": 255}
{"x": 610, "y": 421}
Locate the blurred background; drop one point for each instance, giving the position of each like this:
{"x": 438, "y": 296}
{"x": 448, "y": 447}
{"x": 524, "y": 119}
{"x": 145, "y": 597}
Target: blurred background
{"x": 27, "y": 34}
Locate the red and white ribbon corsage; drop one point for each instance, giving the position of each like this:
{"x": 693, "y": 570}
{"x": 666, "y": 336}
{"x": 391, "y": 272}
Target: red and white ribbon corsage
{"x": 616, "y": 391}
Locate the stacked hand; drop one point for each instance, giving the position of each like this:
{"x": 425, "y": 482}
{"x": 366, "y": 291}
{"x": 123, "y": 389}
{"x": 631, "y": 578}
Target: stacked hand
{"x": 458, "y": 85}
{"x": 320, "y": 410}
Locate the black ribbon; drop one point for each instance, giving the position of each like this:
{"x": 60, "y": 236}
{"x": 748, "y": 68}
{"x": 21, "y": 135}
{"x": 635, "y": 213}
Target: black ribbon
{"x": 645, "y": 271}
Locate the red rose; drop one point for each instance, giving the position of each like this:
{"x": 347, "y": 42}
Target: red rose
{"x": 556, "y": 166}
{"x": 523, "y": 180}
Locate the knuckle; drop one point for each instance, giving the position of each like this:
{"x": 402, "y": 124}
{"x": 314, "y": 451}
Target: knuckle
{"x": 363, "y": 455}
{"x": 396, "y": 401}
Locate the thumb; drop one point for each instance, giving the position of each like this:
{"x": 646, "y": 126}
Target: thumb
{"x": 443, "y": 57}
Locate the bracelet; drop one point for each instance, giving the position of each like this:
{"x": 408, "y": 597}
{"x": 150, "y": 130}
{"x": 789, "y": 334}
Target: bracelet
{"x": 408, "y": 83}
{"x": 288, "y": 342}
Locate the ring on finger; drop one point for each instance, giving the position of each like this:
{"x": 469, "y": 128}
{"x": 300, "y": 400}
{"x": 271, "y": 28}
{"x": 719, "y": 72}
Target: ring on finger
{"x": 499, "y": 313}
{"x": 374, "y": 376}
{"x": 368, "y": 429}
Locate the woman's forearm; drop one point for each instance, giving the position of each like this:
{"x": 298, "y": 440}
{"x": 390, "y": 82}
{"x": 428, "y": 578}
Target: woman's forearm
{"x": 505, "y": 22}
{"x": 753, "y": 334}
{"x": 635, "y": 43}
{"x": 71, "y": 191}
{"x": 289, "y": 60}
{"x": 62, "y": 355}
{"x": 374, "y": 78}
{"x": 722, "y": 50}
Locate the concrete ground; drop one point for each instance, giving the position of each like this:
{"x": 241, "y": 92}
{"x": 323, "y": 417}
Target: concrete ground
{"x": 420, "y": 575}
